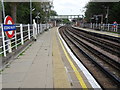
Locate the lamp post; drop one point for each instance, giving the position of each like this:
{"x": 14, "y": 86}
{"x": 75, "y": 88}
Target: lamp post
{"x": 30, "y": 11}
{"x": 107, "y": 15}
{"x": 96, "y": 16}
{"x": 37, "y": 17}
{"x": 46, "y": 11}
{"x": 3, "y": 9}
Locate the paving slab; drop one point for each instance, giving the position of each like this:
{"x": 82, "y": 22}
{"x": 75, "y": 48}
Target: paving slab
{"x": 11, "y": 85}
{"x": 40, "y": 66}
{"x": 60, "y": 75}
{"x": 12, "y": 77}
{"x": 33, "y": 68}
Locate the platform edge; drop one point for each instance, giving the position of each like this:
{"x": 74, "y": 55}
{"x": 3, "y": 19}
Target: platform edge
{"x": 89, "y": 77}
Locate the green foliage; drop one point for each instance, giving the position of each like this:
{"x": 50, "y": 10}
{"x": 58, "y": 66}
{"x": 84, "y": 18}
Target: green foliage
{"x": 115, "y": 13}
{"x": 7, "y": 8}
{"x": 53, "y": 13}
{"x": 66, "y": 21}
{"x": 0, "y": 6}
{"x": 23, "y": 11}
{"x": 100, "y": 8}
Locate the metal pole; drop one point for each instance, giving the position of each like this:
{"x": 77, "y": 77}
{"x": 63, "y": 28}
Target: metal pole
{"x": 3, "y": 40}
{"x": 101, "y": 19}
{"x": 3, "y": 9}
{"x": 107, "y": 15}
{"x": 31, "y": 12}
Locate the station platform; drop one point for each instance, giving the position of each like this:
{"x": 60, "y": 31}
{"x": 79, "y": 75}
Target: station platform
{"x": 100, "y": 32}
{"x": 47, "y": 63}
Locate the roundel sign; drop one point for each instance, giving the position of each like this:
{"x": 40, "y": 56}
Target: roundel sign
{"x": 9, "y": 26}
{"x": 114, "y": 24}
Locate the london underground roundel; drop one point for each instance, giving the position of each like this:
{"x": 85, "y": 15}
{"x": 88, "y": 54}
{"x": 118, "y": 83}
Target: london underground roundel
{"x": 9, "y": 26}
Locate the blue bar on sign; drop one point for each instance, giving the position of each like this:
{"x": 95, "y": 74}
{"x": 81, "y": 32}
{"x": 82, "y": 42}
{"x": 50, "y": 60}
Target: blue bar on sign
{"x": 114, "y": 24}
{"x": 9, "y": 27}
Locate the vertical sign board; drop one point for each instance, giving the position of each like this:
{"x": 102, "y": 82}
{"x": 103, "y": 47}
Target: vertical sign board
{"x": 9, "y": 28}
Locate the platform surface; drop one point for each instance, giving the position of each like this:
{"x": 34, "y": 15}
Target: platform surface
{"x": 100, "y": 32}
{"x": 43, "y": 65}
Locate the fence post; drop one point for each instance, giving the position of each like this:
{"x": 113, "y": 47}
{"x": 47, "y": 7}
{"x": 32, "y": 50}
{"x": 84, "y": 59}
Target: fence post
{"x": 15, "y": 39}
{"x": 99, "y": 26}
{"x": 29, "y": 31}
{"x": 3, "y": 39}
{"x": 116, "y": 27}
{"x": 9, "y": 46}
{"x": 108, "y": 27}
{"x": 21, "y": 31}
{"x": 38, "y": 29}
{"x": 103, "y": 26}
{"x": 91, "y": 25}
{"x": 33, "y": 29}
{"x": 96, "y": 25}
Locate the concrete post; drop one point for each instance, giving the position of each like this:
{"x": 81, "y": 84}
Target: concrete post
{"x": 9, "y": 46}
{"x": 93, "y": 25}
{"x": 21, "y": 31}
{"x": 103, "y": 26}
{"x": 3, "y": 39}
{"x": 116, "y": 28}
{"x": 41, "y": 28}
{"x": 34, "y": 30}
{"x": 99, "y": 26}
{"x": 108, "y": 27}
{"x": 29, "y": 31}
{"x": 15, "y": 39}
{"x": 38, "y": 29}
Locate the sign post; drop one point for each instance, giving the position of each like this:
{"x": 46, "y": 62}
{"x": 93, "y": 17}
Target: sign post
{"x": 9, "y": 28}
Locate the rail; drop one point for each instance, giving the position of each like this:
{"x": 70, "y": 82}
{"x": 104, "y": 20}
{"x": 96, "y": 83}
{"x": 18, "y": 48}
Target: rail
{"x": 102, "y": 27}
{"x": 23, "y": 33}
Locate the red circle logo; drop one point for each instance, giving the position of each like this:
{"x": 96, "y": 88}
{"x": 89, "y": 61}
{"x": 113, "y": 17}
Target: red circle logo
{"x": 9, "y": 20}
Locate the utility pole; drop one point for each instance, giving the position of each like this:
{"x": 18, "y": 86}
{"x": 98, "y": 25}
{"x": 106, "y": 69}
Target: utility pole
{"x": 107, "y": 14}
{"x": 3, "y": 9}
{"x": 30, "y": 11}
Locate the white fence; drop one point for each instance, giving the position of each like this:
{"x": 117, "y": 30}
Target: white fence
{"x": 103, "y": 27}
{"x": 23, "y": 33}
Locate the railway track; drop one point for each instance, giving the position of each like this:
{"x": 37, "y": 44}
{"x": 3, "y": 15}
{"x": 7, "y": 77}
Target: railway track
{"x": 108, "y": 45}
{"x": 91, "y": 51}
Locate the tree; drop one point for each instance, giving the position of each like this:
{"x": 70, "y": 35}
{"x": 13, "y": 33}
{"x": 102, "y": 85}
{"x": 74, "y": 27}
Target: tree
{"x": 100, "y": 8}
{"x": 0, "y": 12}
{"x": 13, "y": 6}
{"x": 53, "y": 13}
{"x": 114, "y": 14}
{"x": 20, "y": 12}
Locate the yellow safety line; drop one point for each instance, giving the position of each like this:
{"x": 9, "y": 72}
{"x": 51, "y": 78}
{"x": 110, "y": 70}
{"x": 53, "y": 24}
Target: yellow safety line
{"x": 79, "y": 77}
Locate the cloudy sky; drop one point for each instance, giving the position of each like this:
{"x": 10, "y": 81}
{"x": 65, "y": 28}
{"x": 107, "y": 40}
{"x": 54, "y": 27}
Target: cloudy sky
{"x": 69, "y": 7}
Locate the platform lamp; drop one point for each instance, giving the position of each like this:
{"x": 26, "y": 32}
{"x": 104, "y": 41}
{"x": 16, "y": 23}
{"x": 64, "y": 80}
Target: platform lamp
{"x": 3, "y": 8}
{"x": 31, "y": 10}
{"x": 37, "y": 17}
{"x": 45, "y": 8}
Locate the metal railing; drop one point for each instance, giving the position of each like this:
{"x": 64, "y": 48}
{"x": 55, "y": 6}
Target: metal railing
{"x": 102, "y": 27}
{"x": 22, "y": 34}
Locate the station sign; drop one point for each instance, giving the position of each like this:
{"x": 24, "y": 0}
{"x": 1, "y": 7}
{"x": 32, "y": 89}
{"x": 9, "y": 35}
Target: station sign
{"x": 114, "y": 24}
{"x": 9, "y": 26}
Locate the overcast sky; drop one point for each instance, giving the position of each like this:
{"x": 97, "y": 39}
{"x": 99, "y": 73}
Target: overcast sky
{"x": 69, "y": 7}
